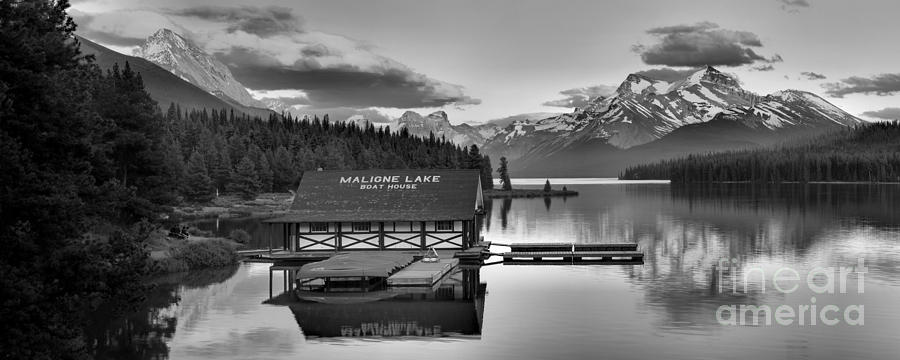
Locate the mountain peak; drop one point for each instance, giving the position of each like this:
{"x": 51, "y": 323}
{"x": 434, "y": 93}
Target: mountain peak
{"x": 710, "y": 74}
{"x": 167, "y": 36}
{"x": 409, "y": 114}
{"x": 439, "y": 114}
{"x": 181, "y": 57}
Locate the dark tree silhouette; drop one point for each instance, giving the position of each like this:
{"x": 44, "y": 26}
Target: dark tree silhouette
{"x": 503, "y": 170}
{"x": 867, "y": 153}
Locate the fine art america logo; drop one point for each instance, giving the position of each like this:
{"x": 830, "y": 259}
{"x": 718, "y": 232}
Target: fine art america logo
{"x": 786, "y": 280}
{"x": 395, "y": 182}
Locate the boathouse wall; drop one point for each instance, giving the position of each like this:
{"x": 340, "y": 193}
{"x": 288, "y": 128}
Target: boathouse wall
{"x": 330, "y": 213}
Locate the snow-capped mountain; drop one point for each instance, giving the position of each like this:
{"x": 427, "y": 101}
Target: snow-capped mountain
{"x": 643, "y": 110}
{"x": 438, "y": 123}
{"x": 173, "y": 52}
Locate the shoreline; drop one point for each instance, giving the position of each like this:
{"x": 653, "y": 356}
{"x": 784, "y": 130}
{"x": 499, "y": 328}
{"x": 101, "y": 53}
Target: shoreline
{"x": 229, "y": 205}
{"x": 793, "y": 182}
{"x": 527, "y": 193}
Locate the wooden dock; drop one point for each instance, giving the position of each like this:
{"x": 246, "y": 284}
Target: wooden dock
{"x": 577, "y": 254}
{"x": 422, "y": 273}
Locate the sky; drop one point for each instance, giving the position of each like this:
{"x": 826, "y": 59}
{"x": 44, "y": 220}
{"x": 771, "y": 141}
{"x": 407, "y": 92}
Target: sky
{"x": 480, "y": 60}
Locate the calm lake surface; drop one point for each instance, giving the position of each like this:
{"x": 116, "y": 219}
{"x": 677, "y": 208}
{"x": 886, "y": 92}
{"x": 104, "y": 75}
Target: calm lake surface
{"x": 664, "y": 309}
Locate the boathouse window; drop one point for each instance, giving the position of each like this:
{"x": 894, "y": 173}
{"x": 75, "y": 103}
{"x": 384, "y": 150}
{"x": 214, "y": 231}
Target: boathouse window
{"x": 443, "y": 226}
{"x": 362, "y": 227}
{"x": 403, "y": 226}
{"x": 318, "y": 227}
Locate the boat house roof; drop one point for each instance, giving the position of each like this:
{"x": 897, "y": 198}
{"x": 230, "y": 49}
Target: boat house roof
{"x": 385, "y": 195}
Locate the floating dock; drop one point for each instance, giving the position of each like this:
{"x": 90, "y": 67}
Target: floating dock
{"x": 567, "y": 253}
{"x": 422, "y": 273}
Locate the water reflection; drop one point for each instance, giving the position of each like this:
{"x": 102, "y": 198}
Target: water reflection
{"x": 452, "y": 308}
{"x": 144, "y": 333}
{"x": 663, "y": 309}
{"x": 686, "y": 231}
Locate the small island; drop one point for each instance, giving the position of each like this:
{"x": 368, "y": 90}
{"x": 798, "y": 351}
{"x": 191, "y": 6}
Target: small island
{"x": 506, "y": 190}
{"x": 527, "y": 193}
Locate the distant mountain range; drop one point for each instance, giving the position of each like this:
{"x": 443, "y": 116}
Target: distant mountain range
{"x": 648, "y": 119}
{"x": 645, "y": 120}
{"x": 164, "y": 86}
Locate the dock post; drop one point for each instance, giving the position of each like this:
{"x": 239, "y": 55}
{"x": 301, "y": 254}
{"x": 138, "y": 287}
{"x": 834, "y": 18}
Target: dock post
{"x": 339, "y": 239}
{"x": 422, "y": 234}
{"x": 381, "y": 235}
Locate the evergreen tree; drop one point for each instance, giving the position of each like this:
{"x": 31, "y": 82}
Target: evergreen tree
{"x": 487, "y": 178}
{"x": 504, "y": 175}
{"x": 547, "y": 186}
{"x": 265, "y": 174}
{"x": 198, "y": 185}
{"x": 283, "y": 172}
{"x": 245, "y": 180}
{"x": 68, "y": 201}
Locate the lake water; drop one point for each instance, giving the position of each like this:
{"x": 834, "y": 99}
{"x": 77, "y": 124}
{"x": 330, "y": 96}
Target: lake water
{"x": 664, "y": 309}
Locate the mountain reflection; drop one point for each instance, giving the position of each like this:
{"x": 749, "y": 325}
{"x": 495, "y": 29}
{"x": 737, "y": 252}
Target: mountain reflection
{"x": 685, "y": 231}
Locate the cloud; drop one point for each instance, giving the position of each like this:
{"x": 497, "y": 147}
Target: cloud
{"x": 882, "y": 85}
{"x": 341, "y": 113}
{"x": 703, "y": 43}
{"x": 666, "y": 74}
{"x": 809, "y": 75}
{"x": 580, "y": 97}
{"x": 793, "y": 5}
{"x": 121, "y": 28}
{"x": 891, "y": 113}
{"x": 265, "y": 22}
{"x": 270, "y": 48}
{"x": 765, "y": 67}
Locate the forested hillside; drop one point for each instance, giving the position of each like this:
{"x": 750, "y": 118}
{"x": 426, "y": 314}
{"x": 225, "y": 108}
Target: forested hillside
{"x": 219, "y": 151}
{"x": 90, "y": 166}
{"x": 869, "y": 153}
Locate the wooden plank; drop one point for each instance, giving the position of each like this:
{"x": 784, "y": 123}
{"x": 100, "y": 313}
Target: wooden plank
{"x": 606, "y": 247}
{"x": 609, "y": 254}
{"x": 540, "y": 247}
{"x": 536, "y": 253}
{"x": 422, "y": 273}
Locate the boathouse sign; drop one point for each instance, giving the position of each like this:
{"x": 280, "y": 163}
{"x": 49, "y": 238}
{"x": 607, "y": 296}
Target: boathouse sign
{"x": 391, "y": 182}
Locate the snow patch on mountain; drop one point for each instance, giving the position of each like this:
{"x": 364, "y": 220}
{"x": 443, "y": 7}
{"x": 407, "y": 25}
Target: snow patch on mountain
{"x": 643, "y": 110}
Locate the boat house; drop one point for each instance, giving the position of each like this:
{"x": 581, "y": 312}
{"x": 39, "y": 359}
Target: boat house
{"x": 381, "y": 210}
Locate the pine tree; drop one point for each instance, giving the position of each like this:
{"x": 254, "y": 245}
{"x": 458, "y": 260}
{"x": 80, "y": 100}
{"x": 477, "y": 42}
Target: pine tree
{"x": 547, "y": 186}
{"x": 265, "y": 174}
{"x": 198, "y": 185}
{"x": 245, "y": 180}
{"x": 68, "y": 243}
{"x": 487, "y": 178}
{"x": 283, "y": 171}
{"x": 503, "y": 170}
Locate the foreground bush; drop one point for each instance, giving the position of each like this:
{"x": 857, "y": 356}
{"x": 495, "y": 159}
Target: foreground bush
{"x": 240, "y": 236}
{"x": 197, "y": 255}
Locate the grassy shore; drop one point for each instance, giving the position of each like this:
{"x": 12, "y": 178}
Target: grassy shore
{"x": 169, "y": 255}
{"x": 527, "y": 193}
{"x": 234, "y": 206}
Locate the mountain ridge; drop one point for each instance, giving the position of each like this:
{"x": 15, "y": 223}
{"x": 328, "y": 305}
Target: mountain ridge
{"x": 175, "y": 53}
{"x": 644, "y": 110}
{"x": 163, "y": 86}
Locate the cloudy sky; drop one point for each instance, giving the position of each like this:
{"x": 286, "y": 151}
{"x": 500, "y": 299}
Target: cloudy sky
{"x": 480, "y": 60}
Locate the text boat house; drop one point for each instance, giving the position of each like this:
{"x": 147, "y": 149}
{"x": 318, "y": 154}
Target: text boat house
{"x": 381, "y": 210}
